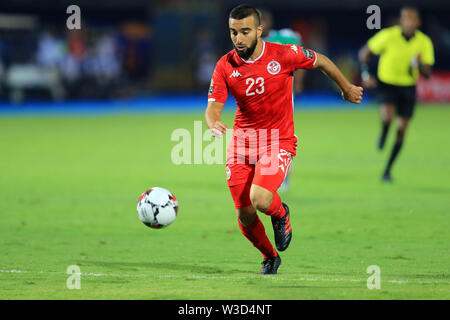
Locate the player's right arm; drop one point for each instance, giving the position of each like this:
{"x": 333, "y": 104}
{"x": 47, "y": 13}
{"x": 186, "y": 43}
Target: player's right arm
{"x": 213, "y": 118}
{"x": 217, "y": 96}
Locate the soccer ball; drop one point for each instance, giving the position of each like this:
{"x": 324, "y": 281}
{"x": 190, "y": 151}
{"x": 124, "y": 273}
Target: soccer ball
{"x": 157, "y": 208}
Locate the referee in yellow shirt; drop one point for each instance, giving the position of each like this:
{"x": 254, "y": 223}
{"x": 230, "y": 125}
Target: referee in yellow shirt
{"x": 404, "y": 53}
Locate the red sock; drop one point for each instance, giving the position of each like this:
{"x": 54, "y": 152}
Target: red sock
{"x": 257, "y": 236}
{"x": 276, "y": 209}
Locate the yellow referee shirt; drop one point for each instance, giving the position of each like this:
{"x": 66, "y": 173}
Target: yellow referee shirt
{"x": 396, "y": 54}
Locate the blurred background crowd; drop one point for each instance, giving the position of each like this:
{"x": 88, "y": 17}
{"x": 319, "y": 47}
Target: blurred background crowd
{"x": 144, "y": 48}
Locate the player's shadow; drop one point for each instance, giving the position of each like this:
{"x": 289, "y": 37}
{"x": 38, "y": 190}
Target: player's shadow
{"x": 173, "y": 266}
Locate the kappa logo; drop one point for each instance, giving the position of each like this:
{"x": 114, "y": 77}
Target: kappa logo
{"x": 235, "y": 74}
{"x": 294, "y": 47}
{"x": 273, "y": 67}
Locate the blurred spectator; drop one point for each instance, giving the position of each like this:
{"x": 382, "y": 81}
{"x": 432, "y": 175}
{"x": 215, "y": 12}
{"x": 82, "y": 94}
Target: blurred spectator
{"x": 50, "y": 50}
{"x": 71, "y": 66}
{"x": 136, "y": 46}
{"x": 76, "y": 42}
{"x": 107, "y": 59}
{"x": 205, "y": 57}
{"x": 101, "y": 61}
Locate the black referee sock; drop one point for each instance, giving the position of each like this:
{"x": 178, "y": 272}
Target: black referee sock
{"x": 394, "y": 153}
{"x": 384, "y": 131}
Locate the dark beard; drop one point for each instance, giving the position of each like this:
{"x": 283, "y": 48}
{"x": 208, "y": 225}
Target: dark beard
{"x": 248, "y": 52}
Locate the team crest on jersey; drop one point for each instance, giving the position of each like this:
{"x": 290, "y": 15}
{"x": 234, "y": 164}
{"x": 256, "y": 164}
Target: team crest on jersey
{"x": 273, "y": 67}
{"x": 211, "y": 85}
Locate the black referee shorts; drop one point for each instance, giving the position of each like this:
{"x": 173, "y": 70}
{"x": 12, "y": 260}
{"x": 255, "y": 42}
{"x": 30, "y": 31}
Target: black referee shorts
{"x": 402, "y": 97}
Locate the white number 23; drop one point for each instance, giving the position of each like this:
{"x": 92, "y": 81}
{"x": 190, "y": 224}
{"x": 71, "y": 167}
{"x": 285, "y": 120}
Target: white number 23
{"x": 250, "y": 82}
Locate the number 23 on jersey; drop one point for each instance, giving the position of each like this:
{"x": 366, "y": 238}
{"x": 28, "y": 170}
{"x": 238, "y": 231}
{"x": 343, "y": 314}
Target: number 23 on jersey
{"x": 254, "y": 86}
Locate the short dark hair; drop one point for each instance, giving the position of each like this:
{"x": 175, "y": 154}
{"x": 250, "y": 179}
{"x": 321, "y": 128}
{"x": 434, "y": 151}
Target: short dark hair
{"x": 410, "y": 8}
{"x": 243, "y": 11}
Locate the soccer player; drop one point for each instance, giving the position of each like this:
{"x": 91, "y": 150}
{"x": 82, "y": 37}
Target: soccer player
{"x": 404, "y": 53}
{"x": 283, "y": 36}
{"x": 259, "y": 76}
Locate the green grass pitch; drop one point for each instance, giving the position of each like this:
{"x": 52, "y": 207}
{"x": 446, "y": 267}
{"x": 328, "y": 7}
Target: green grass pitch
{"x": 69, "y": 187}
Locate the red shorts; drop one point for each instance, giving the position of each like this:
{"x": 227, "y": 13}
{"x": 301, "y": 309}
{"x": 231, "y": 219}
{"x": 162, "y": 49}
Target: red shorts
{"x": 268, "y": 172}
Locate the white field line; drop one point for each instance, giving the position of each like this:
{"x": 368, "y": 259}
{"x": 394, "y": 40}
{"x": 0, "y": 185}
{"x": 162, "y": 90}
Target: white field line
{"x": 193, "y": 276}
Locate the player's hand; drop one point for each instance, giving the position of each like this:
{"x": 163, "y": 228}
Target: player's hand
{"x": 353, "y": 94}
{"x": 218, "y": 129}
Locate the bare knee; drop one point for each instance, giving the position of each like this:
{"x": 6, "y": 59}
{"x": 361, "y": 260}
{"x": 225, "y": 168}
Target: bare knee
{"x": 387, "y": 112}
{"x": 246, "y": 215}
{"x": 261, "y": 198}
{"x": 402, "y": 126}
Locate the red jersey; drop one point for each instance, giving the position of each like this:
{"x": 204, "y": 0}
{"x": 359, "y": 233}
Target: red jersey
{"x": 262, "y": 88}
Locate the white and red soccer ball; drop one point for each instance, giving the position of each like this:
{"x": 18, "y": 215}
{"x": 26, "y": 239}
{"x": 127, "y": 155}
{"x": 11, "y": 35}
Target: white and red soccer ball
{"x": 157, "y": 208}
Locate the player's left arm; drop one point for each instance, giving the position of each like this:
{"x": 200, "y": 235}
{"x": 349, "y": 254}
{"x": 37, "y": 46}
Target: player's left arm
{"x": 425, "y": 59}
{"x": 349, "y": 91}
{"x": 425, "y": 69}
